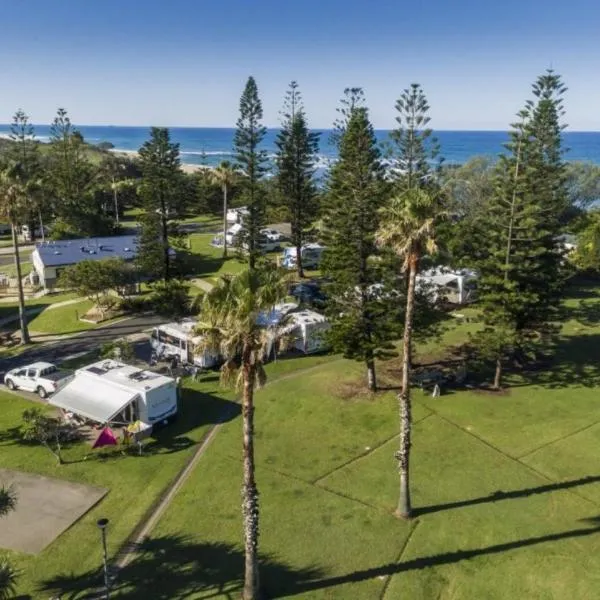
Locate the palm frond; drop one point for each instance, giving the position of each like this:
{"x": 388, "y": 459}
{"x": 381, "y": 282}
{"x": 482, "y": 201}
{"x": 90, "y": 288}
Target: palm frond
{"x": 229, "y": 373}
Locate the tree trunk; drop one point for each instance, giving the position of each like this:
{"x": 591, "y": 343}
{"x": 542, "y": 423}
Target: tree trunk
{"x": 299, "y": 259}
{"x": 165, "y": 236}
{"x": 498, "y": 374}
{"x": 404, "y": 508}
{"x": 116, "y": 201}
{"x": 250, "y": 509}
{"x": 42, "y": 233}
{"x": 371, "y": 377}
{"x": 224, "y": 221}
{"x": 22, "y": 314}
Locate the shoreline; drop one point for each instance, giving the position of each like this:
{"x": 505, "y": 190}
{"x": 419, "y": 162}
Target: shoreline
{"x": 188, "y": 168}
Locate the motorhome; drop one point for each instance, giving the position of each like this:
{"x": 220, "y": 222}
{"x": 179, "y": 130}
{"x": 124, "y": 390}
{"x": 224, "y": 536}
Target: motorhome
{"x": 311, "y": 256}
{"x": 180, "y": 340}
{"x": 109, "y": 391}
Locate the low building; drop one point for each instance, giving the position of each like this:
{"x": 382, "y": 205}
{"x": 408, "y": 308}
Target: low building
{"x": 49, "y": 258}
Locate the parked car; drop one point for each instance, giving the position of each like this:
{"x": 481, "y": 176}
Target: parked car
{"x": 272, "y": 235}
{"x": 41, "y": 377}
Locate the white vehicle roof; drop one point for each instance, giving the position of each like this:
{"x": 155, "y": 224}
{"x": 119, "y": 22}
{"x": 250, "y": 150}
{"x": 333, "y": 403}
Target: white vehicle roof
{"x": 307, "y": 317}
{"x": 276, "y": 315}
{"x": 36, "y": 365}
{"x": 313, "y": 246}
{"x": 121, "y": 375}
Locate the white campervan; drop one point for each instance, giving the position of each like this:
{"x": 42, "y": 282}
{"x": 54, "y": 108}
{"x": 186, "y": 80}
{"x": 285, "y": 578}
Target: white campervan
{"x": 179, "y": 339}
{"x": 110, "y": 391}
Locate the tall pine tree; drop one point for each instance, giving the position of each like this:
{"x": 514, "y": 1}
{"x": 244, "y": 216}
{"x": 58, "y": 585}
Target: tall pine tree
{"x": 25, "y": 151}
{"x": 71, "y": 180}
{"x": 161, "y": 181}
{"x": 297, "y": 148}
{"x": 520, "y": 264}
{"x": 359, "y": 308}
{"x": 251, "y": 162}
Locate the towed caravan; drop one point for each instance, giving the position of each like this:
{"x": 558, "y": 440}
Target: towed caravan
{"x": 110, "y": 391}
{"x": 306, "y": 330}
{"x": 458, "y": 287}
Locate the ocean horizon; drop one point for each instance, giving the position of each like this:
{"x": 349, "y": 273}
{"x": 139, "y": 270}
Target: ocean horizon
{"x": 211, "y": 145}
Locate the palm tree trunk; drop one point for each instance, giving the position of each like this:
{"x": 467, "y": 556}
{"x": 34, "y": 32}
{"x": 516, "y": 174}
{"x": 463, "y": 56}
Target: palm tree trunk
{"x": 224, "y": 221}
{"x": 250, "y": 510}
{"x": 22, "y": 315}
{"x": 404, "y": 508}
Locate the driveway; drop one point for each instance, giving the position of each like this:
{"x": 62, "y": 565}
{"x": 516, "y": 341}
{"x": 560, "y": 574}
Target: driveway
{"x": 82, "y": 342}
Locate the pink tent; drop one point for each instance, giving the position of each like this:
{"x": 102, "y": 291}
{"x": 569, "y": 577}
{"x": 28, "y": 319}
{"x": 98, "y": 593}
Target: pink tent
{"x": 106, "y": 438}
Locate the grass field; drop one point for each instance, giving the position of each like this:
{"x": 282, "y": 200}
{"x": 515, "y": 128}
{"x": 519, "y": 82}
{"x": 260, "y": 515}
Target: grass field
{"x": 506, "y": 489}
{"x": 134, "y": 482}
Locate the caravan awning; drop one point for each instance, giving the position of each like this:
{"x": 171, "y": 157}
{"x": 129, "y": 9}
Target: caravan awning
{"x": 95, "y": 400}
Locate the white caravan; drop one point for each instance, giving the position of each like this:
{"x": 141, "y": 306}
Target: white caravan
{"x": 110, "y": 391}
{"x": 179, "y": 339}
{"x": 307, "y": 329}
{"x": 236, "y": 215}
{"x": 311, "y": 256}
{"x": 458, "y": 287}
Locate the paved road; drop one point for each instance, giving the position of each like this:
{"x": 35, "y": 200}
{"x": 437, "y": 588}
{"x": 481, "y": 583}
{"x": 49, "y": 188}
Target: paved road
{"x": 83, "y": 342}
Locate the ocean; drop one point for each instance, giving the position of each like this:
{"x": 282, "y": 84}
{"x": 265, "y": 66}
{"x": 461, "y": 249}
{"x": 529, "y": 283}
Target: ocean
{"x": 216, "y": 144}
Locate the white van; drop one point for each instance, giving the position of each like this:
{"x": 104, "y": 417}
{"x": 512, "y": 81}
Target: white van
{"x": 180, "y": 340}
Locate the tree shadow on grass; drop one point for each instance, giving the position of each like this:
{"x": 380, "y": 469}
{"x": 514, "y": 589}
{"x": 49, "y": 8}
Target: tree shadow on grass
{"x": 445, "y": 558}
{"x": 176, "y": 567}
{"x": 575, "y": 362}
{"x": 501, "y": 495}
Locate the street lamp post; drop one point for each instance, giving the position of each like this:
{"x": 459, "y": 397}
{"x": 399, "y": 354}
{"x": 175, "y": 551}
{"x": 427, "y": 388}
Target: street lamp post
{"x": 102, "y": 524}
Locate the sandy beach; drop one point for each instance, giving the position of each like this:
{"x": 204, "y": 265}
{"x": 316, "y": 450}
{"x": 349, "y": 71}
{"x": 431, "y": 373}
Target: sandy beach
{"x": 185, "y": 167}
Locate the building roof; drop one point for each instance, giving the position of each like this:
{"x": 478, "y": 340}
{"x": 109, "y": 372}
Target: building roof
{"x": 70, "y": 252}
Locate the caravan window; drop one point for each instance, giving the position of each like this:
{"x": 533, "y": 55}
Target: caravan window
{"x": 165, "y": 338}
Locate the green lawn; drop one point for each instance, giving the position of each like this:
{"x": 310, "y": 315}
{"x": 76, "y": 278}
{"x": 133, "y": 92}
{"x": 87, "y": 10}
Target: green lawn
{"x": 63, "y": 319}
{"x": 11, "y": 270}
{"x": 134, "y": 483}
{"x": 207, "y": 261}
{"x": 506, "y": 488}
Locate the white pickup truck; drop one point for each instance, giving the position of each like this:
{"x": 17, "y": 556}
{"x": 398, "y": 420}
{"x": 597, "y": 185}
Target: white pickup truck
{"x": 41, "y": 377}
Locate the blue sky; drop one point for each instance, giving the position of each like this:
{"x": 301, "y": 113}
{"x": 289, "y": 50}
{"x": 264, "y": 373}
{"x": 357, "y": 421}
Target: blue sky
{"x": 176, "y": 62}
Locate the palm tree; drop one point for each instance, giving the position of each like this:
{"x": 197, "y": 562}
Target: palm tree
{"x": 408, "y": 229}
{"x": 13, "y": 198}
{"x": 224, "y": 176}
{"x": 230, "y": 312}
{"x": 8, "y": 575}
